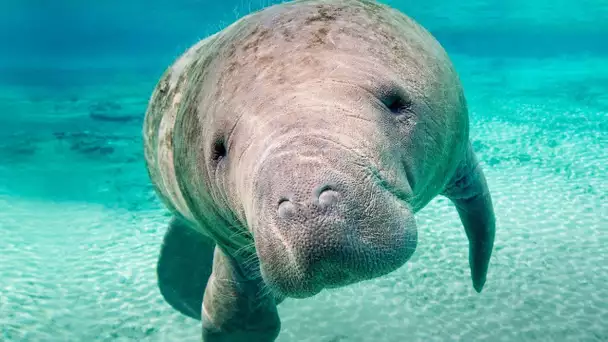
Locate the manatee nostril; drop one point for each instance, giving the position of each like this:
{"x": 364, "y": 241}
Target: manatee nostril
{"x": 328, "y": 197}
{"x": 286, "y": 208}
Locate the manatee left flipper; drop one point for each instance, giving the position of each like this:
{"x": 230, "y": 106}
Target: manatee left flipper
{"x": 237, "y": 308}
{"x": 184, "y": 267}
{"x": 469, "y": 192}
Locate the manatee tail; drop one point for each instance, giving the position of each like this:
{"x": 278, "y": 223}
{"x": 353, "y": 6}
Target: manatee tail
{"x": 184, "y": 267}
{"x": 469, "y": 192}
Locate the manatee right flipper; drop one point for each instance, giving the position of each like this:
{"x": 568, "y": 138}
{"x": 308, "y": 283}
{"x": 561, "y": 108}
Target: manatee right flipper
{"x": 184, "y": 267}
{"x": 235, "y": 308}
{"x": 469, "y": 192}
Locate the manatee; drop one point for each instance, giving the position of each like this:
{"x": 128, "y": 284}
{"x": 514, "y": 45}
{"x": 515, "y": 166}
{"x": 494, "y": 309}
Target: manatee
{"x": 293, "y": 149}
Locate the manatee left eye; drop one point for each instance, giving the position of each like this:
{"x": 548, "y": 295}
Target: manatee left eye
{"x": 397, "y": 104}
{"x": 219, "y": 150}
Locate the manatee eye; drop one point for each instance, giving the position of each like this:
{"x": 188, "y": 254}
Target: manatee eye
{"x": 396, "y": 103}
{"x": 218, "y": 150}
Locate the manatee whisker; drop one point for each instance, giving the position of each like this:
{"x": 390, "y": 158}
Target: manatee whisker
{"x": 245, "y": 248}
{"x": 237, "y": 231}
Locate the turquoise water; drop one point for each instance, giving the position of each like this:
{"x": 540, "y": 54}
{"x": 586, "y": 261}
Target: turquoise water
{"x": 80, "y": 227}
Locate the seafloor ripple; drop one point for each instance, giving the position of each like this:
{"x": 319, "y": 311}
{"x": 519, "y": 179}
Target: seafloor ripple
{"x": 79, "y": 273}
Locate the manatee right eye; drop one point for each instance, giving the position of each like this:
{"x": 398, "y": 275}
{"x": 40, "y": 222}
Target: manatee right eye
{"x": 396, "y": 103}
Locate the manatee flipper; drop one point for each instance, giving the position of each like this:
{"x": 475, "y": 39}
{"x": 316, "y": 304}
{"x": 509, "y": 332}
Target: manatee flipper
{"x": 469, "y": 192}
{"x": 184, "y": 267}
{"x": 235, "y": 308}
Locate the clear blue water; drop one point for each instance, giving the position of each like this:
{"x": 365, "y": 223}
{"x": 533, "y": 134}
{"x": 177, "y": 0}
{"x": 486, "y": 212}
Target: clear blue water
{"x": 80, "y": 227}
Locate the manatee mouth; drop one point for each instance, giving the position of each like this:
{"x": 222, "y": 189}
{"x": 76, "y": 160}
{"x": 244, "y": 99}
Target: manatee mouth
{"x": 306, "y": 241}
{"x": 397, "y": 191}
{"x": 310, "y": 286}
{"x": 345, "y": 246}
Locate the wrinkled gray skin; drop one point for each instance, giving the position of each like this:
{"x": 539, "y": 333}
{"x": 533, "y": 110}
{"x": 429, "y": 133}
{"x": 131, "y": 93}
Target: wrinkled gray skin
{"x": 294, "y": 148}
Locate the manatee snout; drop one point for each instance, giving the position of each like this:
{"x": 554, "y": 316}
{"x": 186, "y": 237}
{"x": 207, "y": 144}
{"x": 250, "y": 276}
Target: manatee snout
{"x": 327, "y": 220}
